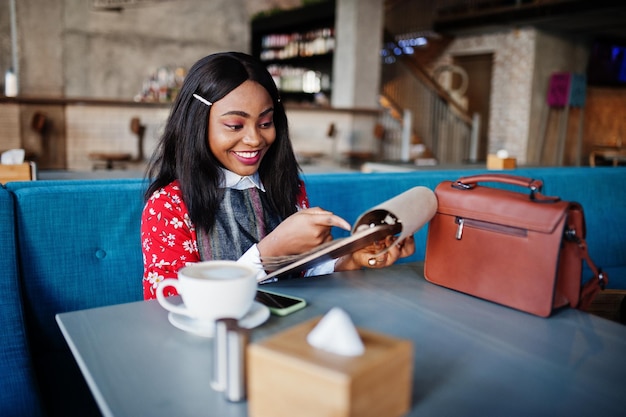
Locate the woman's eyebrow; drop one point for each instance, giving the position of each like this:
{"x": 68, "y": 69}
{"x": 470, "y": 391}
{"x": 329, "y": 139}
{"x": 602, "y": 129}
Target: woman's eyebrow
{"x": 246, "y": 115}
{"x": 266, "y": 111}
{"x": 236, "y": 113}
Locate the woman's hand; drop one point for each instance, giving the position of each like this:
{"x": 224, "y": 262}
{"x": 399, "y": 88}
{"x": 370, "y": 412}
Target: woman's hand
{"x": 367, "y": 257}
{"x": 301, "y": 232}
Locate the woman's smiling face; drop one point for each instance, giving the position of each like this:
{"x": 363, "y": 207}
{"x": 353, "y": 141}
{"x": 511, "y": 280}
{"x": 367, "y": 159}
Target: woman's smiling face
{"x": 241, "y": 128}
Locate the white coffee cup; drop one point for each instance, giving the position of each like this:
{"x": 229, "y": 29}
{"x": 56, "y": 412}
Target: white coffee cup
{"x": 212, "y": 290}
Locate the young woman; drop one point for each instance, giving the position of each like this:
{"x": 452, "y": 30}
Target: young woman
{"x": 226, "y": 182}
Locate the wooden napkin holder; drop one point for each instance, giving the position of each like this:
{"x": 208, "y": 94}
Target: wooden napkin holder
{"x": 495, "y": 162}
{"x": 288, "y": 377}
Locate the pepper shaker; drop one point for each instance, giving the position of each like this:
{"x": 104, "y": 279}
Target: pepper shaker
{"x": 228, "y": 373}
{"x": 237, "y": 342}
{"x": 218, "y": 368}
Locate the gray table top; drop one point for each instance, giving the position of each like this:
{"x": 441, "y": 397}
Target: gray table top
{"x": 472, "y": 357}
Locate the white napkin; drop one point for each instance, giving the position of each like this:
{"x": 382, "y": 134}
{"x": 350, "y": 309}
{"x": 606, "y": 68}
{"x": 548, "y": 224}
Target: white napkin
{"x": 336, "y": 333}
{"x": 502, "y": 154}
{"x": 12, "y": 157}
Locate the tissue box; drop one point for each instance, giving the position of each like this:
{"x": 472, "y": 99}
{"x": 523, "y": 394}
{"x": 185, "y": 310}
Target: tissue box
{"x": 15, "y": 172}
{"x": 288, "y": 377}
{"x": 495, "y": 162}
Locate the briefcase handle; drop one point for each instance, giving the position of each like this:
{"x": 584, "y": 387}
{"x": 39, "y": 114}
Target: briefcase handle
{"x": 534, "y": 185}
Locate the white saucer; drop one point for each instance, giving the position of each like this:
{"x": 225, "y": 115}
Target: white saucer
{"x": 257, "y": 315}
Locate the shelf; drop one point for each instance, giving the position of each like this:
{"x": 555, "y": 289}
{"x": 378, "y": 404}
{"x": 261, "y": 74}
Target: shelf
{"x": 297, "y": 46}
{"x": 296, "y": 20}
{"x": 300, "y": 59}
{"x": 78, "y": 101}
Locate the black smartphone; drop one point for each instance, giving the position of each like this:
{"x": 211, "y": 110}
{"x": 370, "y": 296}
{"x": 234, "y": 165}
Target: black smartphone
{"x": 280, "y": 304}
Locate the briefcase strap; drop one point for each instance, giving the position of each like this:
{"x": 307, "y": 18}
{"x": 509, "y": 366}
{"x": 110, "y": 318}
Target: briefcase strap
{"x": 534, "y": 185}
{"x": 599, "y": 280}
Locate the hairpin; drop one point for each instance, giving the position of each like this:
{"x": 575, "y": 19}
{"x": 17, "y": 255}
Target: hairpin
{"x": 202, "y": 100}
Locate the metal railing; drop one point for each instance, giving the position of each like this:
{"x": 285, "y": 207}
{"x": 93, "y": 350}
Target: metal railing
{"x": 417, "y": 109}
{"x": 436, "y": 120}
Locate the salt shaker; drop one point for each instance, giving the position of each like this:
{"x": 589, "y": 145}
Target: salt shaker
{"x": 229, "y": 359}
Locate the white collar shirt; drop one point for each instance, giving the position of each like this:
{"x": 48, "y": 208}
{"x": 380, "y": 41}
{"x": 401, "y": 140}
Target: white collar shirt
{"x": 238, "y": 182}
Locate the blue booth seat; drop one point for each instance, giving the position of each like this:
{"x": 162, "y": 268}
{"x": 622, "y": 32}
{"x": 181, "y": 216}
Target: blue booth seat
{"x": 75, "y": 244}
{"x": 18, "y": 390}
{"x": 80, "y": 246}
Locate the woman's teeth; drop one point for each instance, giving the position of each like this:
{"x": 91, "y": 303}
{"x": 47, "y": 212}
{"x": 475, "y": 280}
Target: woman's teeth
{"x": 247, "y": 154}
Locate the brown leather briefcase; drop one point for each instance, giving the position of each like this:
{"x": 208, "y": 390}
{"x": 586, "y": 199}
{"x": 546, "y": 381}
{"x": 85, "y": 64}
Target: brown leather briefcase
{"x": 522, "y": 250}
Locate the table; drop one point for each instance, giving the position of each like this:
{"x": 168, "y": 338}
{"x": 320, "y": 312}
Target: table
{"x": 472, "y": 357}
{"x": 616, "y": 154}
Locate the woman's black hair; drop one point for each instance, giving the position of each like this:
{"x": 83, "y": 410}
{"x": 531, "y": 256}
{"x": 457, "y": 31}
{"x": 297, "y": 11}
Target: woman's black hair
{"x": 183, "y": 152}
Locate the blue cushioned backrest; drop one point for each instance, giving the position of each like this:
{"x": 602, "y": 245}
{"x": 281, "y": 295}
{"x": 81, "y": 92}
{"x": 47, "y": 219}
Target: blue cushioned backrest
{"x": 16, "y": 185}
{"x": 80, "y": 247}
{"x": 18, "y": 393}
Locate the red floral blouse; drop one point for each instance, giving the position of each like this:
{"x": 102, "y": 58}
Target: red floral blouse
{"x": 168, "y": 237}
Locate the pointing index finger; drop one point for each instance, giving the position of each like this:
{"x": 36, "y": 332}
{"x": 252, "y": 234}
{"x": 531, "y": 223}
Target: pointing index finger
{"x": 329, "y": 219}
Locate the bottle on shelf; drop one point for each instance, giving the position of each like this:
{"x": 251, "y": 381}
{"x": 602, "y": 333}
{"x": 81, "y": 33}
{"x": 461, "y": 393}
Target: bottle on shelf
{"x": 282, "y": 46}
{"x": 298, "y": 80}
{"x": 298, "y": 48}
{"x": 10, "y": 83}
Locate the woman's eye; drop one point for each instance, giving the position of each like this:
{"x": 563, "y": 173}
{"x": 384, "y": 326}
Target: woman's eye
{"x": 234, "y": 126}
{"x": 265, "y": 125}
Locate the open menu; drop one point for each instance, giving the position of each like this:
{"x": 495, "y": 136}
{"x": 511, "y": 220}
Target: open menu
{"x": 400, "y": 216}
